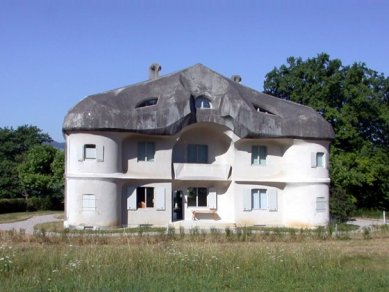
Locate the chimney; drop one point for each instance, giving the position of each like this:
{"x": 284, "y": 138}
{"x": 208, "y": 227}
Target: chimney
{"x": 236, "y": 78}
{"x": 154, "y": 71}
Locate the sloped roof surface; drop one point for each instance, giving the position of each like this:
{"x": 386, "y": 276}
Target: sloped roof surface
{"x": 233, "y": 105}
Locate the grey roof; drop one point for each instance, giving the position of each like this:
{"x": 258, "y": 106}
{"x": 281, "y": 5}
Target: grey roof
{"x": 233, "y": 105}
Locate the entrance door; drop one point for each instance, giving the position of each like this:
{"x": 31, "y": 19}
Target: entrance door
{"x": 177, "y": 200}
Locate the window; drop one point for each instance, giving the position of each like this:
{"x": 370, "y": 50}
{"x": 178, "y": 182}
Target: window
{"x": 197, "y": 153}
{"x": 317, "y": 159}
{"x": 146, "y": 151}
{"x": 258, "y": 155}
{"x": 258, "y": 199}
{"x": 261, "y": 110}
{"x": 145, "y": 197}
{"x": 148, "y": 102}
{"x": 203, "y": 102}
{"x": 90, "y": 151}
{"x": 321, "y": 204}
{"x": 197, "y": 197}
{"x": 88, "y": 203}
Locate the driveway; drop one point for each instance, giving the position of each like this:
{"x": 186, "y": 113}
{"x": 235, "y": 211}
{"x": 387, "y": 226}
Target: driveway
{"x": 28, "y": 225}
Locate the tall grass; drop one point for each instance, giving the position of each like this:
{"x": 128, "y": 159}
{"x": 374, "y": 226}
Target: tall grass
{"x": 230, "y": 259}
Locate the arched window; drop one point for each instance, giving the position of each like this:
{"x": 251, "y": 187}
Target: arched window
{"x": 148, "y": 102}
{"x": 203, "y": 102}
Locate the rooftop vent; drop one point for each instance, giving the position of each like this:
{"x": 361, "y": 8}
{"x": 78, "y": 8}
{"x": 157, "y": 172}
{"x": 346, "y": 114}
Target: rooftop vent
{"x": 154, "y": 71}
{"x": 236, "y": 78}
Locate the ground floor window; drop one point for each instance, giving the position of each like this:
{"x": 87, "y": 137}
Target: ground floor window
{"x": 321, "y": 204}
{"x": 145, "y": 197}
{"x": 88, "y": 202}
{"x": 258, "y": 199}
{"x": 197, "y": 197}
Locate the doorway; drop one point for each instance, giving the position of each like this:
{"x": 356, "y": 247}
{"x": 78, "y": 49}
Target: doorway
{"x": 177, "y": 201}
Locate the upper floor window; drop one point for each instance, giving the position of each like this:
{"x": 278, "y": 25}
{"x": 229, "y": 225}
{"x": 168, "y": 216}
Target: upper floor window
{"x": 197, "y": 153}
{"x": 197, "y": 197}
{"x": 90, "y": 151}
{"x": 146, "y": 151}
{"x": 203, "y": 102}
{"x": 258, "y": 155}
{"x": 148, "y": 102}
{"x": 261, "y": 110}
{"x": 318, "y": 159}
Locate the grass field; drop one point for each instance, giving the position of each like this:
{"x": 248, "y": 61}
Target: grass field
{"x": 195, "y": 262}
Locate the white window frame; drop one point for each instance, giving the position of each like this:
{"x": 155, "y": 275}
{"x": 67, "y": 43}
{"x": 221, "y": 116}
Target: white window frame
{"x": 260, "y": 199}
{"x": 146, "y": 151}
{"x": 90, "y": 151}
{"x": 258, "y": 155}
{"x": 146, "y": 195}
{"x": 196, "y": 194}
{"x": 89, "y": 203}
{"x": 318, "y": 159}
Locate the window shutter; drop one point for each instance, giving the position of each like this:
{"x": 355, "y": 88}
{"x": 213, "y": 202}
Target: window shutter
{"x": 80, "y": 153}
{"x": 262, "y": 155}
{"x": 254, "y": 155}
{"x": 247, "y": 200}
{"x": 212, "y": 199}
{"x": 313, "y": 159}
{"x": 150, "y": 151}
{"x": 100, "y": 153}
{"x": 131, "y": 198}
{"x": 160, "y": 198}
{"x": 273, "y": 202}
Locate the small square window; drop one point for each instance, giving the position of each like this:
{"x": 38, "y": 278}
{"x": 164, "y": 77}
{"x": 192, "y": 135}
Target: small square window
{"x": 258, "y": 155}
{"x": 88, "y": 203}
{"x": 90, "y": 151}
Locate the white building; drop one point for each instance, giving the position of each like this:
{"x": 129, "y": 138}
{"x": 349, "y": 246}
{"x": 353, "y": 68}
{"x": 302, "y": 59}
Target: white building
{"x": 195, "y": 148}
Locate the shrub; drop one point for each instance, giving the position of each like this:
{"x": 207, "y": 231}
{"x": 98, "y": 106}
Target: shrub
{"x": 13, "y": 205}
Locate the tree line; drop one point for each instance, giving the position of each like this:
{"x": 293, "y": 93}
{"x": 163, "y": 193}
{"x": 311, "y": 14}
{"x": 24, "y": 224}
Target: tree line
{"x": 354, "y": 100}
{"x": 30, "y": 168}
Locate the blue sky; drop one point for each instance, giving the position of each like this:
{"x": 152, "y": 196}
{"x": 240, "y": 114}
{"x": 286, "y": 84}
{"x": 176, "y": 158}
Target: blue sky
{"x": 54, "y": 53}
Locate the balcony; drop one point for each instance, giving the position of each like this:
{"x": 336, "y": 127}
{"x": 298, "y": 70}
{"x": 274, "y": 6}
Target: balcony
{"x": 199, "y": 171}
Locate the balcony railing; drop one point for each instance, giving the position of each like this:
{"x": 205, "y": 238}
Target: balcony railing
{"x": 199, "y": 171}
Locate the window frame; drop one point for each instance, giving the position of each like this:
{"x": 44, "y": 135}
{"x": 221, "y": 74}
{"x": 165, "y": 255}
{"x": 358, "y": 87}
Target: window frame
{"x": 262, "y": 198}
{"x": 201, "y": 101}
{"x": 194, "y": 154}
{"x": 196, "y": 195}
{"x": 320, "y": 159}
{"x": 88, "y": 152}
{"x": 143, "y": 151}
{"x": 147, "y": 102}
{"x": 260, "y": 159}
{"x": 321, "y": 205}
{"x": 148, "y": 196}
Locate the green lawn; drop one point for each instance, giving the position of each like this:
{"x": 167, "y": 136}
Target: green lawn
{"x": 195, "y": 262}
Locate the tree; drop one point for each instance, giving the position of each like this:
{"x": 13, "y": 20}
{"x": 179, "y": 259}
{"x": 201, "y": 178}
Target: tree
{"x": 354, "y": 99}
{"x": 13, "y": 146}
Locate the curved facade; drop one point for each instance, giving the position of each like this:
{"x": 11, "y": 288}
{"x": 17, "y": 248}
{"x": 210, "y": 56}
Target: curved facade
{"x": 195, "y": 148}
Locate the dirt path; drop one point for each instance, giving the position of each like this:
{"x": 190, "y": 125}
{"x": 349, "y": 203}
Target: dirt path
{"x": 28, "y": 225}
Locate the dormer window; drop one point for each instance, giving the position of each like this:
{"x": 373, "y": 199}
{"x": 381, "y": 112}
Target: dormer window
{"x": 262, "y": 110}
{"x": 148, "y": 102}
{"x": 203, "y": 102}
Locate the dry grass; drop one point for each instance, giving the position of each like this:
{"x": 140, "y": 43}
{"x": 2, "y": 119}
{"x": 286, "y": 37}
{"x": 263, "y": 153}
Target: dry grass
{"x": 20, "y": 216}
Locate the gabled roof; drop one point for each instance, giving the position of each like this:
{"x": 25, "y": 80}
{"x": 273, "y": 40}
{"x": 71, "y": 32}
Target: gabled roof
{"x": 248, "y": 113}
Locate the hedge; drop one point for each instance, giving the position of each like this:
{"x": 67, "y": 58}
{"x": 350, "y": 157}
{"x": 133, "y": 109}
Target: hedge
{"x": 30, "y": 204}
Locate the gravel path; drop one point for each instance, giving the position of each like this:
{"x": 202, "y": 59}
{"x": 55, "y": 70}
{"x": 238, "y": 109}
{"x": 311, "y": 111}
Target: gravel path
{"x": 28, "y": 225}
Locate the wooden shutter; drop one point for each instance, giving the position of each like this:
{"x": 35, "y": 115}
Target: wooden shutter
{"x": 273, "y": 200}
{"x": 159, "y": 196}
{"x": 212, "y": 199}
{"x": 131, "y": 198}
{"x": 80, "y": 153}
{"x": 100, "y": 153}
{"x": 313, "y": 159}
{"x": 247, "y": 200}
